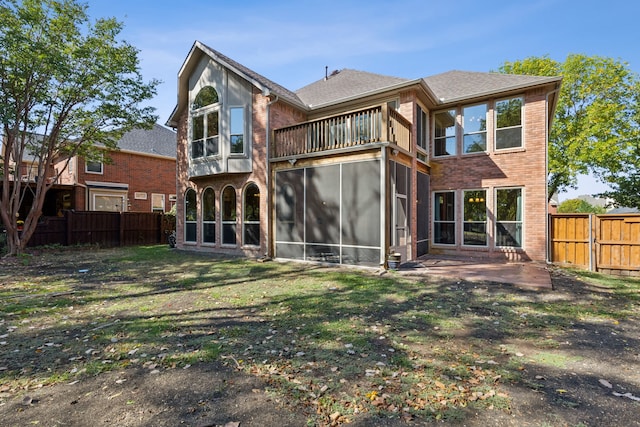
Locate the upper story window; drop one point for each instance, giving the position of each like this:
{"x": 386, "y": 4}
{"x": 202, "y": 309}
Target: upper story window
{"x": 474, "y": 123}
{"x": 422, "y": 127}
{"x": 205, "y": 123}
{"x": 237, "y": 130}
{"x": 94, "y": 166}
{"x": 445, "y": 133}
{"x": 508, "y": 123}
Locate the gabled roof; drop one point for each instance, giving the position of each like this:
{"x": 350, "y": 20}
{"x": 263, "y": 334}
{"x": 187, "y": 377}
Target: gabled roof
{"x": 158, "y": 141}
{"x": 345, "y": 84}
{"x": 457, "y": 85}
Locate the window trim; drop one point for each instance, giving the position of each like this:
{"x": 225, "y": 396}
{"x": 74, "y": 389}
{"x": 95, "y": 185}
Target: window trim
{"x": 204, "y": 221}
{"x": 244, "y": 131}
{"x": 224, "y": 222}
{"x": 464, "y": 133}
{"x": 153, "y": 209}
{"x": 497, "y": 220}
{"x": 204, "y": 112}
{"x": 454, "y": 221}
{"x": 456, "y": 132}
{"x": 100, "y": 162}
{"x": 521, "y": 126}
{"x": 422, "y": 131}
{"x": 246, "y": 222}
{"x": 486, "y": 217}
{"x": 189, "y": 222}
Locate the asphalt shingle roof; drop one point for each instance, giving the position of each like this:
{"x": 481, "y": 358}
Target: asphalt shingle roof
{"x": 468, "y": 84}
{"x": 345, "y": 84}
{"x": 158, "y": 141}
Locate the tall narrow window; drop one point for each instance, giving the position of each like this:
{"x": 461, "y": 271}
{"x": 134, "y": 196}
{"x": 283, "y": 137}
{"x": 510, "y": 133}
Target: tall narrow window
{"x": 237, "y": 130}
{"x": 509, "y": 123}
{"x": 474, "y": 123}
{"x": 475, "y": 218}
{"x": 205, "y": 123}
{"x": 229, "y": 216}
{"x": 445, "y": 133}
{"x": 251, "y": 223}
{"x": 208, "y": 216}
{"x": 190, "y": 216}
{"x": 509, "y": 217}
{"x": 444, "y": 218}
{"x": 421, "y": 128}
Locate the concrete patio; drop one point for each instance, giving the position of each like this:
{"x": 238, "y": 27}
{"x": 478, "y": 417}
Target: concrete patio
{"x": 521, "y": 274}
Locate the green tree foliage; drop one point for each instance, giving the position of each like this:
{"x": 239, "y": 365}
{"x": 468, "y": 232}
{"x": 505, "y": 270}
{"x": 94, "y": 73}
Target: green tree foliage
{"x": 68, "y": 85}
{"x": 596, "y": 125}
{"x": 579, "y": 206}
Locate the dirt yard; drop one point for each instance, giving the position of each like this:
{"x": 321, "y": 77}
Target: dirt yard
{"x": 563, "y": 357}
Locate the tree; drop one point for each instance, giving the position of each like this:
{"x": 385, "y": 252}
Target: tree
{"x": 68, "y": 87}
{"x": 596, "y": 125}
{"x": 579, "y": 206}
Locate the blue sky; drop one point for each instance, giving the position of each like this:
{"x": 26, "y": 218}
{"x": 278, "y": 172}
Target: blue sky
{"x": 291, "y": 42}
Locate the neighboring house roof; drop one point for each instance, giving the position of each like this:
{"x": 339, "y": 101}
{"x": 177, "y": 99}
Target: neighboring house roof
{"x": 158, "y": 140}
{"x": 345, "y": 84}
{"x": 455, "y": 85}
{"x": 622, "y": 210}
{"x": 349, "y": 84}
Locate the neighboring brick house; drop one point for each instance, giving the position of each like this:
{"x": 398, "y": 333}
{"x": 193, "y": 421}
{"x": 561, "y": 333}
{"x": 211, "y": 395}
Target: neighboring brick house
{"x": 357, "y": 165}
{"x": 138, "y": 177}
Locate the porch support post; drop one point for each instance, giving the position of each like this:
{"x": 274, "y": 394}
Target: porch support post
{"x": 385, "y": 206}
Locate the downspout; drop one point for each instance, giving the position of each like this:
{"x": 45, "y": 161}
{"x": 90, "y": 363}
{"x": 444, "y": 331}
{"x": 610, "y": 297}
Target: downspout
{"x": 268, "y": 171}
{"x": 546, "y": 165}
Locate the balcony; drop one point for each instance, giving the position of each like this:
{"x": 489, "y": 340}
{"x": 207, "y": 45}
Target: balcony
{"x": 343, "y": 132}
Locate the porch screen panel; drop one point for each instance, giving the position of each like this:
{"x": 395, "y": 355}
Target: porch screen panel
{"x": 361, "y": 219}
{"x": 423, "y": 214}
{"x": 323, "y": 205}
{"x": 290, "y": 206}
{"x": 361, "y": 203}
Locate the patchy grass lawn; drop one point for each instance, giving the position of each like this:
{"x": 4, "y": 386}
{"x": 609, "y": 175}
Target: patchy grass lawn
{"x": 335, "y": 344}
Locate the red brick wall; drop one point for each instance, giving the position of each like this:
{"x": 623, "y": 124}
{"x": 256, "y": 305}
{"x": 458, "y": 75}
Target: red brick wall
{"x": 524, "y": 167}
{"x": 142, "y": 173}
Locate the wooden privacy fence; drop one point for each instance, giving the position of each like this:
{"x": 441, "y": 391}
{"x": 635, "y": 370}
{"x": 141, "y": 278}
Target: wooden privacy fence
{"x": 103, "y": 228}
{"x": 608, "y": 243}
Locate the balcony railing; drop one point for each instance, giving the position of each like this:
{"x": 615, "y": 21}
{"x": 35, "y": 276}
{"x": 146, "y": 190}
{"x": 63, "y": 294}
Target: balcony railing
{"x": 377, "y": 124}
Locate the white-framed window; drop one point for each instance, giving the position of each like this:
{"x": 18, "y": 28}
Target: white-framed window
{"x": 422, "y": 129}
{"x": 205, "y": 124}
{"x": 208, "y": 216}
{"x": 251, "y": 218}
{"x": 475, "y": 218}
{"x": 508, "y": 119}
{"x": 509, "y": 224}
{"x": 444, "y": 218}
{"x": 157, "y": 202}
{"x": 229, "y": 217}
{"x": 237, "y": 126}
{"x": 444, "y": 139}
{"x": 474, "y": 125}
{"x": 190, "y": 216}
{"x": 109, "y": 201}
{"x": 94, "y": 166}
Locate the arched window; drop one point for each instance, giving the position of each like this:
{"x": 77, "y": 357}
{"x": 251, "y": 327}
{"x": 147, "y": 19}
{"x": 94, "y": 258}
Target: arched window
{"x": 251, "y": 223}
{"x": 208, "y": 216}
{"x": 190, "y": 216}
{"x": 205, "y": 124}
{"x": 228, "y": 209}
{"x": 208, "y": 95}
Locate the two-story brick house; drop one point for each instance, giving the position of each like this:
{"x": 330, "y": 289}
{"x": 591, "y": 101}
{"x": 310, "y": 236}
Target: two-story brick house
{"x": 139, "y": 176}
{"x": 357, "y": 165}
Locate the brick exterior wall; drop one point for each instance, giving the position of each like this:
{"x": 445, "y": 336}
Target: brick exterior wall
{"x": 523, "y": 167}
{"x": 143, "y": 174}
